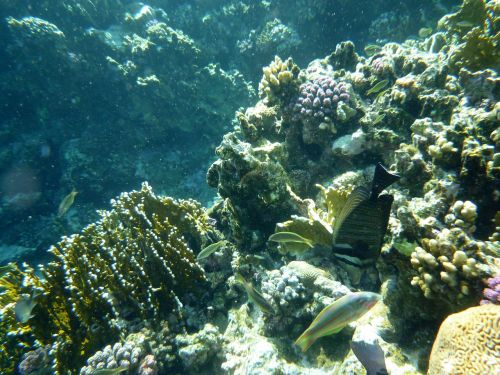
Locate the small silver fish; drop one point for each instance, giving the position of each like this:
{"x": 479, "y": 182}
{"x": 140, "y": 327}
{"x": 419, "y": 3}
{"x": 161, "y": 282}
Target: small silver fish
{"x": 24, "y": 306}
{"x": 210, "y": 249}
{"x": 333, "y": 318}
{"x": 378, "y": 86}
{"x": 110, "y": 371}
{"x": 289, "y": 237}
{"x": 66, "y": 203}
{"x": 254, "y": 296}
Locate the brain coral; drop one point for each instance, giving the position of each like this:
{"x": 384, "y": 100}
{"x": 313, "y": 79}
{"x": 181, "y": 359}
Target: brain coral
{"x": 468, "y": 343}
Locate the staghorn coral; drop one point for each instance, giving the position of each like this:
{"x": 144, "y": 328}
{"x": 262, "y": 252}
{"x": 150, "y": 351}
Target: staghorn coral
{"x": 467, "y": 342}
{"x": 451, "y": 264}
{"x": 137, "y": 262}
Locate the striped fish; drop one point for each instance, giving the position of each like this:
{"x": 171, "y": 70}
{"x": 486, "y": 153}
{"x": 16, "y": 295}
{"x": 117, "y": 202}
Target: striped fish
{"x": 333, "y": 318}
{"x": 254, "y": 296}
{"x": 360, "y": 226}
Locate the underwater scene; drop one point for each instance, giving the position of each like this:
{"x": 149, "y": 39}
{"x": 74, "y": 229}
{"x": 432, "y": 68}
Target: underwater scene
{"x": 249, "y": 187}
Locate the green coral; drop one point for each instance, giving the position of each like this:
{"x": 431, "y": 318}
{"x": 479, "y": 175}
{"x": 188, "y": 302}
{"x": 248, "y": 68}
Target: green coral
{"x": 136, "y": 262}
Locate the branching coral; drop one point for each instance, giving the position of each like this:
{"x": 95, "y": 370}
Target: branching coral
{"x": 452, "y": 264}
{"x": 280, "y": 81}
{"x": 137, "y": 262}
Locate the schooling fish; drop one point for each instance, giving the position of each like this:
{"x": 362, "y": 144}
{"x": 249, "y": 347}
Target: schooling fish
{"x": 333, "y": 318}
{"x": 110, "y": 371}
{"x": 289, "y": 237}
{"x": 66, "y": 203}
{"x": 210, "y": 249}
{"x": 24, "y": 306}
{"x": 360, "y": 227}
{"x": 254, "y": 296}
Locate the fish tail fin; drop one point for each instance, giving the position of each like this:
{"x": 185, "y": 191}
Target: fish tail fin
{"x": 305, "y": 341}
{"x": 382, "y": 179}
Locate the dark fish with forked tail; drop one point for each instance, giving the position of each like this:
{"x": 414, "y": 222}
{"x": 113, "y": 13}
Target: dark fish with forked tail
{"x": 371, "y": 356}
{"x": 360, "y": 226}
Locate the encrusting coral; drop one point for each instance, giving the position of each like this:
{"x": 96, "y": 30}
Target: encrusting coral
{"x": 137, "y": 262}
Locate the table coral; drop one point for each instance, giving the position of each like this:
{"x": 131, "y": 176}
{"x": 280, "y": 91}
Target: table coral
{"x": 467, "y": 343}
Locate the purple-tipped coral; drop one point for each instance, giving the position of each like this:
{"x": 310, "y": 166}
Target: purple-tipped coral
{"x": 319, "y": 98}
{"x": 491, "y": 294}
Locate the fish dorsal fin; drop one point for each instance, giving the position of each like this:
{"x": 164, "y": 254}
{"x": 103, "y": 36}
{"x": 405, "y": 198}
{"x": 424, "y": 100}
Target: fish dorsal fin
{"x": 385, "y": 202}
{"x": 358, "y": 195}
{"x": 382, "y": 178}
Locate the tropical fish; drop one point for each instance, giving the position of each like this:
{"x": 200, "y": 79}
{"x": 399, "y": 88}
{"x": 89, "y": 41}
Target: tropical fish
{"x": 66, "y": 203}
{"x": 24, "y": 306}
{"x": 378, "y": 119}
{"x": 210, "y": 249}
{"x": 254, "y": 296}
{"x": 465, "y": 24}
{"x": 378, "y": 86}
{"x": 424, "y": 32}
{"x": 110, "y": 371}
{"x": 372, "y": 49}
{"x": 289, "y": 237}
{"x": 333, "y": 318}
{"x": 371, "y": 356}
{"x": 360, "y": 226}
{"x": 381, "y": 94}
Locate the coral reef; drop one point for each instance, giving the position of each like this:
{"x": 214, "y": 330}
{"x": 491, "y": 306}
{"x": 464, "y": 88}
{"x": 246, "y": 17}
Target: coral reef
{"x": 280, "y": 81}
{"x": 128, "y": 289}
{"x": 467, "y": 342}
{"x": 35, "y": 362}
{"x": 137, "y": 262}
{"x": 127, "y": 354}
{"x": 451, "y": 265}
{"x": 199, "y": 352}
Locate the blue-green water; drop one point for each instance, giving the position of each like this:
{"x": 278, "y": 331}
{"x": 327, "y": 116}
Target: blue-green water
{"x": 98, "y": 97}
